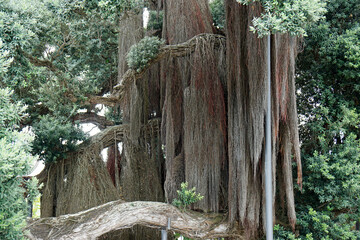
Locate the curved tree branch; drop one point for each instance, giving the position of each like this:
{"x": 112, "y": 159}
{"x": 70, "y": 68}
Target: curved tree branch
{"x": 90, "y": 117}
{"x": 107, "y": 137}
{"x": 107, "y": 101}
{"x": 41, "y": 63}
{"x": 116, "y": 215}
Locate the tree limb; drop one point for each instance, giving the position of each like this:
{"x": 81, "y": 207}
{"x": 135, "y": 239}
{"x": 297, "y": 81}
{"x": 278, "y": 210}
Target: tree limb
{"x": 116, "y": 215}
{"x": 107, "y": 101}
{"x": 90, "y": 117}
{"x": 41, "y": 63}
{"x": 107, "y": 137}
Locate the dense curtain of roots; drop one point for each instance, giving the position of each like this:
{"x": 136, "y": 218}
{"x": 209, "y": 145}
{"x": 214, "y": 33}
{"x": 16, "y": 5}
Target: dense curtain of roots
{"x": 205, "y": 125}
{"x": 77, "y": 183}
{"x": 194, "y": 111}
{"x": 246, "y": 114}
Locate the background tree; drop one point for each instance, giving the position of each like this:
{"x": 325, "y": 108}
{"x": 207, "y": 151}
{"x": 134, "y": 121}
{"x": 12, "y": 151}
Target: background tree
{"x": 328, "y": 97}
{"x": 15, "y": 162}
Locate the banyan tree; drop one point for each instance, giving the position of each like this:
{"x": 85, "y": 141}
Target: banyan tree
{"x": 194, "y": 112}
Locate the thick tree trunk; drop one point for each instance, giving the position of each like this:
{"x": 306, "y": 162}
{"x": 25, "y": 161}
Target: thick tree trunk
{"x": 194, "y": 112}
{"x": 246, "y": 114}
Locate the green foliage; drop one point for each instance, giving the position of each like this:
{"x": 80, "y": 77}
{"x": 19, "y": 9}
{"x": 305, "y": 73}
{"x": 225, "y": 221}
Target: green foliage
{"x": 15, "y": 161}
{"x": 322, "y": 225}
{"x": 178, "y": 235}
{"x": 142, "y": 52}
{"x": 186, "y": 197}
{"x": 282, "y": 16}
{"x": 72, "y": 36}
{"x": 10, "y": 113}
{"x": 55, "y": 136}
{"x": 335, "y": 164}
{"x": 155, "y": 20}
{"x": 280, "y": 233}
{"x": 5, "y": 60}
{"x": 218, "y": 13}
{"x": 328, "y": 104}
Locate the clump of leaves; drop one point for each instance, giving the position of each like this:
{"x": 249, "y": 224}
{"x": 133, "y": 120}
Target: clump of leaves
{"x": 186, "y": 196}
{"x": 142, "y": 52}
{"x": 54, "y": 137}
{"x": 286, "y": 16}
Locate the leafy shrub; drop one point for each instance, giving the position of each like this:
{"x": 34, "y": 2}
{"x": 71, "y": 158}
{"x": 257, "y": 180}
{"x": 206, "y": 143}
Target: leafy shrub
{"x": 280, "y": 233}
{"x": 186, "y": 196}
{"x": 323, "y": 225}
{"x": 55, "y": 137}
{"x": 142, "y": 52}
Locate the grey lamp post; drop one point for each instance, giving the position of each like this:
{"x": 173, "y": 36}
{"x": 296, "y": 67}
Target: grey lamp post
{"x": 268, "y": 168}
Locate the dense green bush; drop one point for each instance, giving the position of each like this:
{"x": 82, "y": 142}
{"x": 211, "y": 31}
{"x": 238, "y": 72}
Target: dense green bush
{"x": 142, "y": 52}
{"x": 54, "y": 137}
{"x": 328, "y": 104}
{"x": 15, "y": 161}
{"x": 292, "y": 16}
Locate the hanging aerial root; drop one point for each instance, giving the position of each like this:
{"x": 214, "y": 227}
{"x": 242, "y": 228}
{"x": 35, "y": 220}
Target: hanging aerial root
{"x": 116, "y": 215}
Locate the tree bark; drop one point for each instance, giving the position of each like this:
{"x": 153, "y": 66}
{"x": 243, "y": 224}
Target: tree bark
{"x": 194, "y": 112}
{"x": 95, "y": 222}
{"x": 246, "y": 114}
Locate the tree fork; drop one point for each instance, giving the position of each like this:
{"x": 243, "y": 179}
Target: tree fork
{"x": 116, "y": 215}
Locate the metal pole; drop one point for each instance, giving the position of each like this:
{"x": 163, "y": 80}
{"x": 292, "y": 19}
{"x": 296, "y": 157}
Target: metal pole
{"x": 163, "y": 234}
{"x": 268, "y": 168}
{"x": 164, "y": 230}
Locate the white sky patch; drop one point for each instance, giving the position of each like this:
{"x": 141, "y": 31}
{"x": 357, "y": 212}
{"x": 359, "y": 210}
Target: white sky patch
{"x": 146, "y": 17}
{"x": 48, "y": 51}
{"x": 89, "y": 128}
{"x": 37, "y": 168}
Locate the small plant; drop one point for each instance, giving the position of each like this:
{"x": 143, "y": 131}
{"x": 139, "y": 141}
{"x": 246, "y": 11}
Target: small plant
{"x": 142, "y": 52}
{"x": 186, "y": 196}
